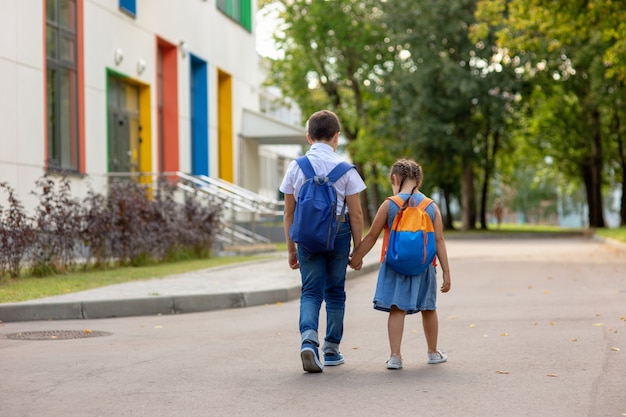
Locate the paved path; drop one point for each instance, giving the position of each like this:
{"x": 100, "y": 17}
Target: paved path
{"x": 532, "y": 327}
{"x": 231, "y": 286}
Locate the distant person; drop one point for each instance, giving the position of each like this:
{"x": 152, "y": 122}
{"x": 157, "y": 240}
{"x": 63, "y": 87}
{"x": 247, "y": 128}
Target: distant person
{"x": 498, "y": 211}
{"x": 323, "y": 274}
{"x": 398, "y": 294}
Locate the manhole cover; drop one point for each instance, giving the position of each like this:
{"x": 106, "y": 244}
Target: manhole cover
{"x": 55, "y": 334}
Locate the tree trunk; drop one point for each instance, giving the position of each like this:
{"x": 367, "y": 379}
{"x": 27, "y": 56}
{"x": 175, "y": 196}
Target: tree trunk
{"x": 622, "y": 159}
{"x": 447, "y": 219}
{"x": 594, "y": 191}
{"x": 468, "y": 198}
{"x": 376, "y": 199}
{"x": 367, "y": 218}
{"x": 489, "y": 169}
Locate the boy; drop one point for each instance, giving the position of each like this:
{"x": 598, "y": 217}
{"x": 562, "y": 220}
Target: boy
{"x": 324, "y": 273}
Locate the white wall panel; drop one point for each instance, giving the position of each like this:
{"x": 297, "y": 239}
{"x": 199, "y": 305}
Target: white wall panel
{"x": 8, "y": 111}
{"x": 8, "y": 30}
{"x": 29, "y": 30}
{"x": 30, "y": 119}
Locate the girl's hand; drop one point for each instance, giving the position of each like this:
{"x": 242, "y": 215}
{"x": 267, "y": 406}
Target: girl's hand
{"x": 445, "y": 287}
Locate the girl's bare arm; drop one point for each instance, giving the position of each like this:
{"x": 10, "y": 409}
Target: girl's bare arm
{"x": 370, "y": 238}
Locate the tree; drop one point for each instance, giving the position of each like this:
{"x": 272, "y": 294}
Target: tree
{"x": 452, "y": 97}
{"x": 569, "y": 51}
{"x": 334, "y": 56}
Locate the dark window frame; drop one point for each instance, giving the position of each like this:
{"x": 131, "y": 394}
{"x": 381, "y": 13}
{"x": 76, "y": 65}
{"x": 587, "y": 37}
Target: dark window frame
{"x": 56, "y": 69}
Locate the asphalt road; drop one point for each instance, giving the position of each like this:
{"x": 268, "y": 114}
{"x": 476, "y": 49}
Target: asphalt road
{"x": 532, "y": 327}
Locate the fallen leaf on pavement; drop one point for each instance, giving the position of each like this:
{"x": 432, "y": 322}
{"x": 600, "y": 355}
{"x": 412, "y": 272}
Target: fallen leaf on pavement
{"x": 472, "y": 326}
{"x": 504, "y": 334}
{"x": 615, "y": 349}
{"x": 452, "y": 317}
{"x": 502, "y": 372}
{"x": 574, "y": 340}
{"x": 158, "y": 327}
{"x": 598, "y": 324}
{"x": 552, "y": 375}
{"x": 87, "y": 331}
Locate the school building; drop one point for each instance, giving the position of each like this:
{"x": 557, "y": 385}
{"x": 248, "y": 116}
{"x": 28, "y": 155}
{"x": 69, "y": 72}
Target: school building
{"x": 101, "y": 88}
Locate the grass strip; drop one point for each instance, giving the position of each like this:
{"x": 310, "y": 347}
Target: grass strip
{"x": 30, "y": 288}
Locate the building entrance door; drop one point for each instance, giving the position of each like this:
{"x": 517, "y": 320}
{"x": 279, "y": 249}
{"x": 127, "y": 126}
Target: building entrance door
{"x": 124, "y": 127}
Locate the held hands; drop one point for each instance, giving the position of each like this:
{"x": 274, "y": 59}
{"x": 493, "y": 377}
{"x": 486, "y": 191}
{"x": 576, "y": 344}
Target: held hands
{"x": 355, "y": 263}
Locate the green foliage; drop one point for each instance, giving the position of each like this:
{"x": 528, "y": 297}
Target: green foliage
{"x": 566, "y": 50}
{"x": 333, "y": 63}
{"x": 131, "y": 225}
{"x": 482, "y": 93}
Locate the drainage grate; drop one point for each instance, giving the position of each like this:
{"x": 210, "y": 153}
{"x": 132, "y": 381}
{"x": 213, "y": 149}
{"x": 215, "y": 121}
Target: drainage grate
{"x": 55, "y": 334}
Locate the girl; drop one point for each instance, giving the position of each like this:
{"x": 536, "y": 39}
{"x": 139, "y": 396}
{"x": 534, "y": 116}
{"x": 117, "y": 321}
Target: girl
{"x": 398, "y": 294}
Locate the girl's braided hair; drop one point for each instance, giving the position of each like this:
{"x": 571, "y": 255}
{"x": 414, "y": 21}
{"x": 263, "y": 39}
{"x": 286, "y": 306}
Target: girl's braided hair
{"x": 407, "y": 169}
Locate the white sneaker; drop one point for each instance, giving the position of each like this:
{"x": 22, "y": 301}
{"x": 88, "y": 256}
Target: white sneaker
{"x": 437, "y": 357}
{"x": 394, "y": 362}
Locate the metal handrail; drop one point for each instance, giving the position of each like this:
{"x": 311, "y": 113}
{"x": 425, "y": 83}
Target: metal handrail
{"x": 234, "y": 199}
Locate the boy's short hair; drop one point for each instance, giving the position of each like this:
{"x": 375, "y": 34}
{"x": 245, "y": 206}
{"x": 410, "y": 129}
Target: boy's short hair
{"x": 323, "y": 125}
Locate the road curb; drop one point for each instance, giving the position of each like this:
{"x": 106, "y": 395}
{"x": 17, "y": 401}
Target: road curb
{"x": 177, "y": 304}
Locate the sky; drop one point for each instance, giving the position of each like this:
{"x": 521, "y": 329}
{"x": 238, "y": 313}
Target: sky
{"x": 266, "y": 23}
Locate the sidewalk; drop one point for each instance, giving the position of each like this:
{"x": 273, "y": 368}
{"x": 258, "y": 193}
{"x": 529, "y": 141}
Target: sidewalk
{"x": 233, "y": 286}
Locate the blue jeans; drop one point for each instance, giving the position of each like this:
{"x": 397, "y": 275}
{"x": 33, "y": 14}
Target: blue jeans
{"x": 324, "y": 279}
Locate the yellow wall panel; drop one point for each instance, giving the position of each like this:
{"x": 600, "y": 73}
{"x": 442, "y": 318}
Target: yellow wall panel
{"x": 225, "y": 127}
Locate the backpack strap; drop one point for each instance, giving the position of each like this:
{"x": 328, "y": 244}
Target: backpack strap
{"x": 306, "y": 167}
{"x": 338, "y": 171}
{"x": 425, "y": 203}
{"x": 387, "y": 230}
{"x": 333, "y": 176}
{"x": 396, "y": 199}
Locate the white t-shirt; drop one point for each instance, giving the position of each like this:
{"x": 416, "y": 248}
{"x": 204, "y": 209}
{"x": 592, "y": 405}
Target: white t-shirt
{"x": 323, "y": 159}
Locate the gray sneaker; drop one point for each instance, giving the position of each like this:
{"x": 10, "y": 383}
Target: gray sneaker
{"x": 394, "y": 362}
{"x": 437, "y": 357}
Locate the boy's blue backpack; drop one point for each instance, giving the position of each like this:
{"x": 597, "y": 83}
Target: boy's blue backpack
{"x": 410, "y": 245}
{"x": 315, "y": 219}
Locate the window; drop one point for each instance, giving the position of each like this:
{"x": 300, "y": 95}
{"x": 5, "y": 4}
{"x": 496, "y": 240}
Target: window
{"x": 129, "y": 7}
{"x": 239, "y": 10}
{"x": 62, "y": 85}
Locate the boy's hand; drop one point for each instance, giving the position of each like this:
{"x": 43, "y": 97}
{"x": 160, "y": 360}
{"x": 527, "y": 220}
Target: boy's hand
{"x": 356, "y": 265}
{"x": 293, "y": 260}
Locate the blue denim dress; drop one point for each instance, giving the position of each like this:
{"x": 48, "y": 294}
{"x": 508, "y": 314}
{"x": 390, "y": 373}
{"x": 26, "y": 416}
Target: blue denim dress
{"x": 408, "y": 293}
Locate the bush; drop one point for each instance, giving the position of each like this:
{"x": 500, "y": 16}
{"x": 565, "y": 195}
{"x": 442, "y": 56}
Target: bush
{"x": 57, "y": 228}
{"x": 16, "y": 235}
{"x": 131, "y": 225}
